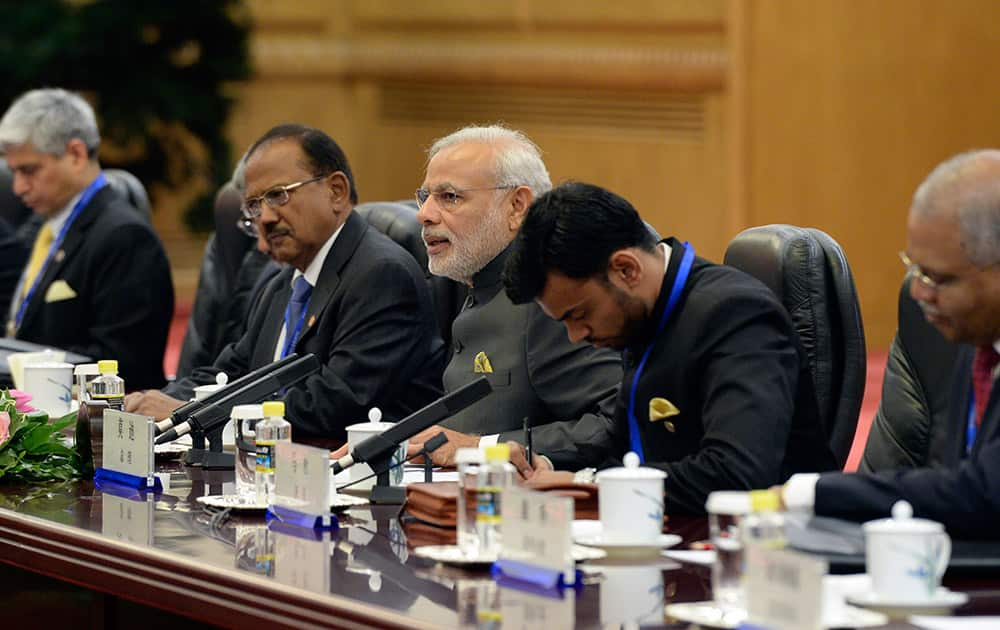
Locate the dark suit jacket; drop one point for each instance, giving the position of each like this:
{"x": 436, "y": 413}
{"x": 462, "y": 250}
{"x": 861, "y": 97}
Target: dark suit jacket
{"x": 731, "y": 363}
{"x": 13, "y": 256}
{"x": 566, "y": 389}
{"x": 964, "y": 493}
{"x": 115, "y": 263}
{"x": 374, "y": 334}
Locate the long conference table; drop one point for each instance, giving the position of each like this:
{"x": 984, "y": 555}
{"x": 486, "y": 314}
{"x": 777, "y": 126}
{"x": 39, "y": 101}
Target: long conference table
{"x": 73, "y": 553}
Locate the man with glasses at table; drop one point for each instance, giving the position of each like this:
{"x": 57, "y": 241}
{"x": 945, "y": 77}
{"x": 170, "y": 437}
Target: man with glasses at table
{"x": 350, "y": 296}
{"x": 479, "y": 182}
{"x": 953, "y": 256}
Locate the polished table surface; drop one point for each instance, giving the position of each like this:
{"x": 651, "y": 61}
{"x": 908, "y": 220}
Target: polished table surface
{"x": 167, "y": 552}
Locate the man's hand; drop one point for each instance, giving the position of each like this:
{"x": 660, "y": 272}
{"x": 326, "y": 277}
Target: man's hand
{"x": 445, "y": 455}
{"x": 151, "y": 402}
{"x": 519, "y": 459}
{"x": 340, "y": 452}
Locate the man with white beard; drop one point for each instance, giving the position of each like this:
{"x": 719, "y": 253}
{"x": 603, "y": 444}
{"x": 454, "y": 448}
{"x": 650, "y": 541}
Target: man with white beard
{"x": 478, "y": 186}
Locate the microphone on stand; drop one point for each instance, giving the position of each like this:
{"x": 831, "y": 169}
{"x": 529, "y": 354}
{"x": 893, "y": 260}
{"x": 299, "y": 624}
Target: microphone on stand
{"x": 181, "y": 414}
{"x": 430, "y": 446}
{"x": 215, "y": 414}
{"x": 381, "y": 445}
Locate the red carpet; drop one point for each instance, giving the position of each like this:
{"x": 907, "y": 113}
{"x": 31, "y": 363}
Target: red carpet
{"x": 873, "y": 388}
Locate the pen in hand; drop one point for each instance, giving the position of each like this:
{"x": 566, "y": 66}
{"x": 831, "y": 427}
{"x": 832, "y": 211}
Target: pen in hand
{"x": 527, "y": 440}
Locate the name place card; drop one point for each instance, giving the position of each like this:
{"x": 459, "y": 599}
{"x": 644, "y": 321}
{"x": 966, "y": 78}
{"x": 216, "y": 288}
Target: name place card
{"x": 302, "y": 562}
{"x": 537, "y": 532}
{"x": 302, "y": 479}
{"x": 128, "y": 444}
{"x": 127, "y": 520}
{"x": 784, "y": 589}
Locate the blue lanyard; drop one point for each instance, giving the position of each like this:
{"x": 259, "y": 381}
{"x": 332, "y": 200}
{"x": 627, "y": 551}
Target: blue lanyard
{"x": 85, "y": 197}
{"x": 290, "y": 341}
{"x": 971, "y": 430}
{"x": 635, "y": 442}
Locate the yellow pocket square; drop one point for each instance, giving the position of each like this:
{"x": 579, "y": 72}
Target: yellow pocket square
{"x": 481, "y": 364}
{"x": 59, "y": 291}
{"x": 660, "y": 408}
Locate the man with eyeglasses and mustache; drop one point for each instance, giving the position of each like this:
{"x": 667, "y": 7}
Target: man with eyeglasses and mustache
{"x": 349, "y": 295}
{"x": 479, "y": 182}
{"x": 953, "y": 257}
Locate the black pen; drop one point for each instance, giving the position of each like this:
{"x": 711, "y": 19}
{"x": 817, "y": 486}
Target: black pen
{"x": 527, "y": 439}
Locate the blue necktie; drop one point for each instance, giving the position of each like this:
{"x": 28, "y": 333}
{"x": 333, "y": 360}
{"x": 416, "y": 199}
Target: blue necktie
{"x": 301, "y": 291}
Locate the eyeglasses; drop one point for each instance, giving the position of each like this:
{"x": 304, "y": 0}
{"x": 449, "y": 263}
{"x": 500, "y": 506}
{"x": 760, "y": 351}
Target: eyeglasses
{"x": 274, "y": 198}
{"x": 918, "y": 274}
{"x": 450, "y": 197}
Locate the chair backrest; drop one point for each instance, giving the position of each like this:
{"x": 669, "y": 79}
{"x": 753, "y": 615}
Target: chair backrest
{"x": 128, "y": 186}
{"x": 912, "y": 426}
{"x": 398, "y": 220}
{"x": 809, "y": 273}
{"x": 12, "y": 209}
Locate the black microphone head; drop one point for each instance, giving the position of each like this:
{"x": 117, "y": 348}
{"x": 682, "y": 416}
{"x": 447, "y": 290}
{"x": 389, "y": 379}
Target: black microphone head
{"x": 435, "y": 442}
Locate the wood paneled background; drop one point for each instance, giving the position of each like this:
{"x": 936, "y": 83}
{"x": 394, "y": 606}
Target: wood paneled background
{"x": 709, "y": 115}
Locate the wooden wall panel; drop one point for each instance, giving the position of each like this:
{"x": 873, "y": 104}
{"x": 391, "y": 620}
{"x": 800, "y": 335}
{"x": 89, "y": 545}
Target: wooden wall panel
{"x": 848, "y": 107}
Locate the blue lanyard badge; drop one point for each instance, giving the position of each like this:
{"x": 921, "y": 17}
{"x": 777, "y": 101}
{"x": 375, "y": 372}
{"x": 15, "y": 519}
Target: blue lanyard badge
{"x": 85, "y": 197}
{"x": 635, "y": 443}
{"x": 970, "y": 428}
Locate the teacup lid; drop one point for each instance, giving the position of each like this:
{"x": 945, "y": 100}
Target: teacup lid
{"x": 203, "y": 391}
{"x": 86, "y": 369}
{"x": 247, "y": 412}
{"x": 631, "y": 470}
{"x": 902, "y": 522}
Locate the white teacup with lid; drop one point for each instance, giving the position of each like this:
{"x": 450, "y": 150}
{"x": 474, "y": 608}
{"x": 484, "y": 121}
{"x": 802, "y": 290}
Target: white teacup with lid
{"x": 630, "y": 500}
{"x": 357, "y": 433}
{"x": 906, "y": 556}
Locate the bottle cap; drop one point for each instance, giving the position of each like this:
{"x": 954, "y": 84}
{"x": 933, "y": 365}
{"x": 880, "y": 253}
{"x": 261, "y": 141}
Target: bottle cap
{"x": 273, "y": 408}
{"x": 107, "y": 366}
{"x": 764, "y": 501}
{"x": 498, "y": 453}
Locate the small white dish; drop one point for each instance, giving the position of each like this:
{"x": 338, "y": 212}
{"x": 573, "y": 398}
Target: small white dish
{"x": 588, "y": 532}
{"x": 943, "y": 599}
{"x": 451, "y": 554}
{"x": 240, "y": 504}
{"x": 711, "y": 615}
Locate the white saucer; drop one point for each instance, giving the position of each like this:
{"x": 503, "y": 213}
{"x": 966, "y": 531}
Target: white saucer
{"x": 943, "y": 599}
{"x": 451, "y": 554}
{"x": 706, "y": 614}
{"x": 711, "y": 615}
{"x": 239, "y": 504}
{"x": 588, "y": 532}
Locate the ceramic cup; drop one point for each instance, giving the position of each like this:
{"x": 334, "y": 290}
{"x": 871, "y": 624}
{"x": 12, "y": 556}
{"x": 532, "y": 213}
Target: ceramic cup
{"x": 630, "y": 500}
{"x": 51, "y": 386}
{"x": 201, "y": 392}
{"x": 906, "y": 556}
{"x": 357, "y": 433}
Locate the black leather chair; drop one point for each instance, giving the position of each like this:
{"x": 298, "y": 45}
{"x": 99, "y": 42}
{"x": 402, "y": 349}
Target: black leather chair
{"x": 912, "y": 428}
{"x": 12, "y": 209}
{"x": 128, "y": 186}
{"x": 809, "y": 273}
{"x": 398, "y": 220}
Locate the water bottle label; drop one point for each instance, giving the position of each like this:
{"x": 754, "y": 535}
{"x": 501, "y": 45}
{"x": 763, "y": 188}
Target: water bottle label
{"x": 265, "y": 458}
{"x": 488, "y": 506}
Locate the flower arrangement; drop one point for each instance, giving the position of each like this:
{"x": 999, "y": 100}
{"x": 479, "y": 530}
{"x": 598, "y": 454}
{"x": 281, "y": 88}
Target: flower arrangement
{"x": 32, "y": 448}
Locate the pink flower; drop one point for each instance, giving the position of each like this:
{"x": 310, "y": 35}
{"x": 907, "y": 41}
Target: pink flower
{"x": 21, "y": 400}
{"x": 4, "y": 426}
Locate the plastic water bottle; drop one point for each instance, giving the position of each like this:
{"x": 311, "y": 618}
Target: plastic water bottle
{"x": 764, "y": 526}
{"x": 495, "y": 476}
{"x": 269, "y": 431}
{"x": 109, "y": 387}
{"x": 468, "y": 461}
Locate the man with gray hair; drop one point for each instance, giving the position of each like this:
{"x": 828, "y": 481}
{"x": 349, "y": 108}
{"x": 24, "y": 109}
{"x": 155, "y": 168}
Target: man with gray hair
{"x": 479, "y": 183}
{"x": 97, "y": 281}
{"x": 953, "y": 257}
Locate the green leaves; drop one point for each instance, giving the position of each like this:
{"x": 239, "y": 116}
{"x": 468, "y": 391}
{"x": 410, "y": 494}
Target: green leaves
{"x": 36, "y": 450}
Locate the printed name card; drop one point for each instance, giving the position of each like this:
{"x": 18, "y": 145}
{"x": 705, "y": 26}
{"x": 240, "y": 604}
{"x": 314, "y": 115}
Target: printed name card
{"x": 302, "y": 479}
{"x": 127, "y": 520}
{"x": 302, "y": 562}
{"x": 784, "y": 589}
{"x": 128, "y": 444}
{"x": 523, "y": 609}
{"x": 537, "y": 531}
